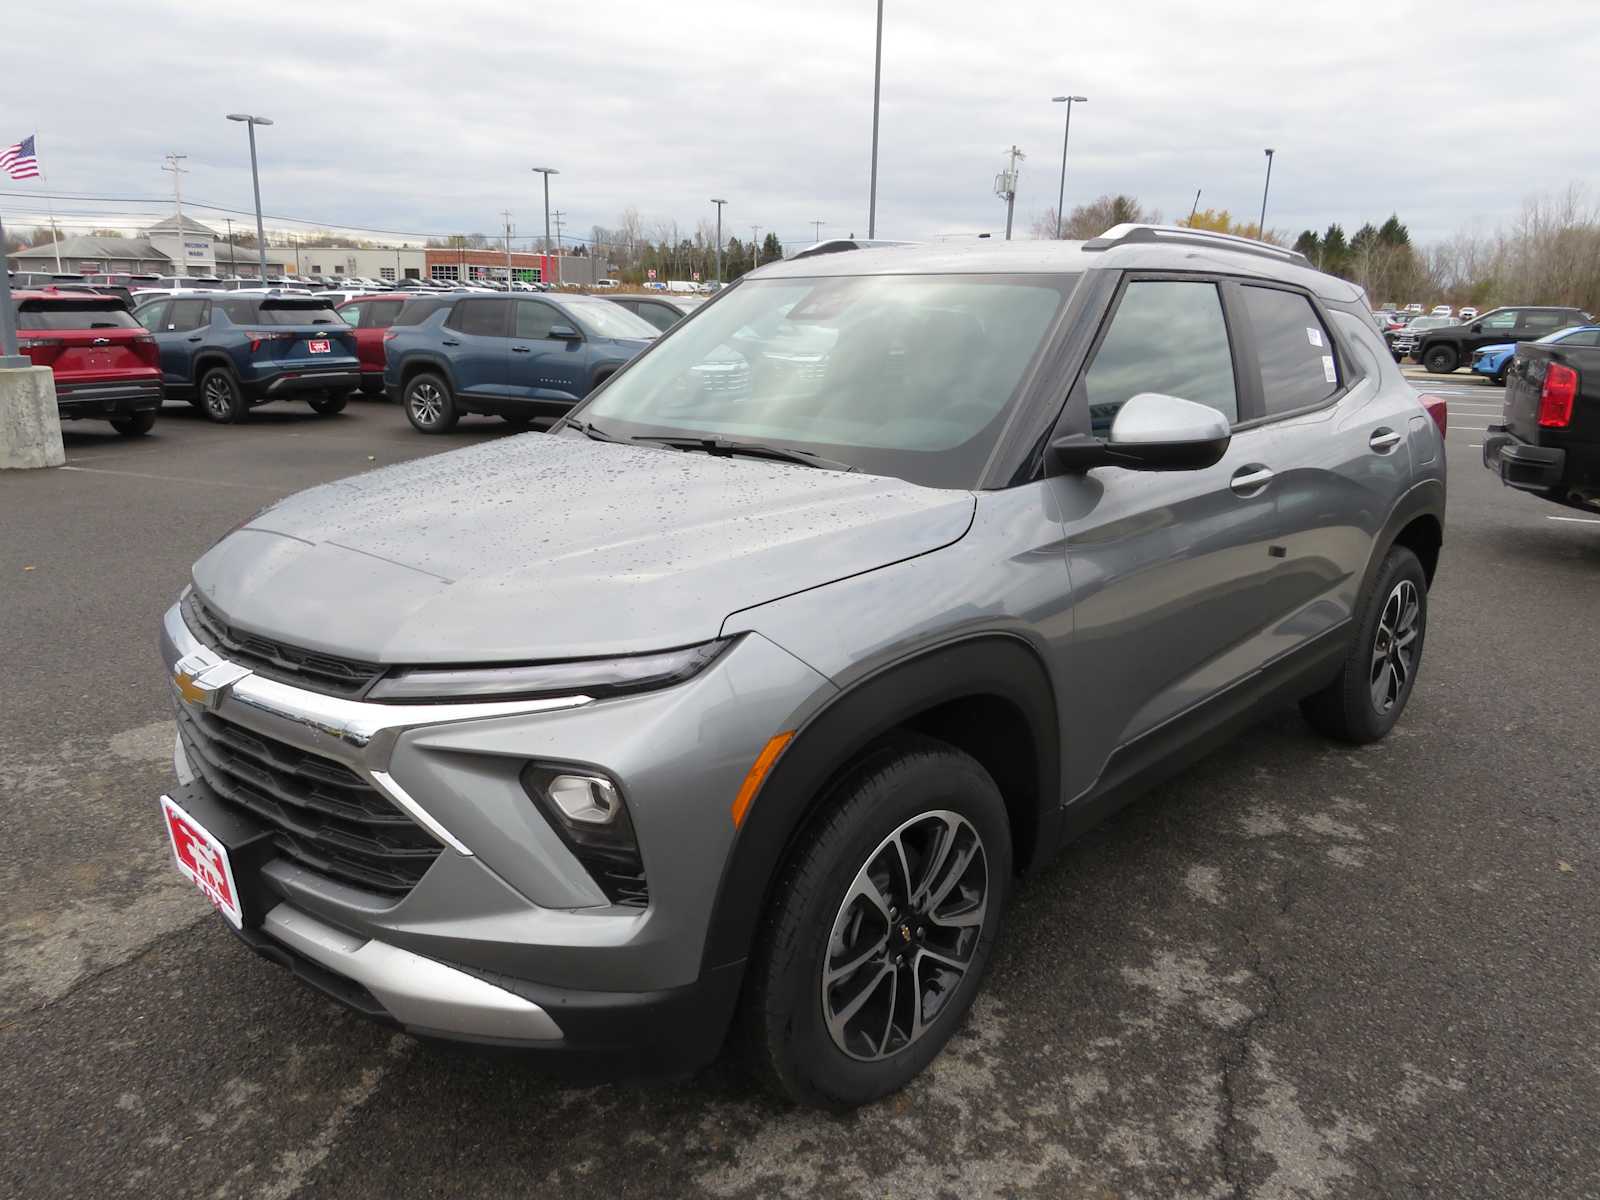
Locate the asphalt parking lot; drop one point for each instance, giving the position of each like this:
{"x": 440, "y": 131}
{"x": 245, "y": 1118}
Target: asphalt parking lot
{"x": 1299, "y": 971}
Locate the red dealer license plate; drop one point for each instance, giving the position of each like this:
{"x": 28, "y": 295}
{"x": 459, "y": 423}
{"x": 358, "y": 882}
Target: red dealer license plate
{"x": 320, "y": 346}
{"x": 203, "y": 859}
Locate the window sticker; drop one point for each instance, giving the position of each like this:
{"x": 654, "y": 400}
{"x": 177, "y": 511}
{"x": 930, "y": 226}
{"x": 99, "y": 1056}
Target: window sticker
{"x": 1314, "y": 336}
{"x": 1328, "y": 373}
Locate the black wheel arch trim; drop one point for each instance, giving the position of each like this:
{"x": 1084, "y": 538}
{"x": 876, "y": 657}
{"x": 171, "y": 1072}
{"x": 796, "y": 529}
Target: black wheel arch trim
{"x": 414, "y": 365}
{"x": 995, "y": 664}
{"x": 1424, "y": 499}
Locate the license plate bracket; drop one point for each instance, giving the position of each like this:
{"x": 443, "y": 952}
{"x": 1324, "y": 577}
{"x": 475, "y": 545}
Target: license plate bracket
{"x": 245, "y": 846}
{"x": 319, "y": 346}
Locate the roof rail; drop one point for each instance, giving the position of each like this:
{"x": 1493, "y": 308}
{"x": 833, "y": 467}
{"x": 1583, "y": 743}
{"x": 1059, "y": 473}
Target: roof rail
{"x": 1130, "y": 235}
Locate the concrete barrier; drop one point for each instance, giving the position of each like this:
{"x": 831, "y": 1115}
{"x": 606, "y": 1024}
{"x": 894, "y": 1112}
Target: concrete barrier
{"x": 30, "y": 427}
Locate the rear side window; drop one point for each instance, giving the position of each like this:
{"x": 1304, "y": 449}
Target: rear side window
{"x": 415, "y": 312}
{"x": 1298, "y": 368}
{"x": 380, "y": 314}
{"x": 33, "y": 315}
{"x": 1584, "y": 337}
{"x": 188, "y": 314}
{"x": 485, "y": 318}
{"x": 1167, "y": 336}
{"x": 1544, "y": 322}
{"x": 662, "y": 316}
{"x": 240, "y": 309}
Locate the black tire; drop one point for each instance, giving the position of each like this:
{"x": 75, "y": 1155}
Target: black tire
{"x": 1441, "y": 360}
{"x": 330, "y": 403}
{"x": 221, "y": 398}
{"x": 1349, "y": 708}
{"x": 430, "y": 406}
{"x": 919, "y": 790}
{"x": 135, "y": 424}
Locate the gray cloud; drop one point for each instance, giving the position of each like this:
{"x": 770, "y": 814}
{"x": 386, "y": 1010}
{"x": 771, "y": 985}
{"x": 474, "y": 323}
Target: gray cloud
{"x": 426, "y": 117}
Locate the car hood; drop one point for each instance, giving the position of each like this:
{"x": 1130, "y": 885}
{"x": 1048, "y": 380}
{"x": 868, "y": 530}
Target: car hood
{"x": 1502, "y": 348}
{"x": 544, "y": 547}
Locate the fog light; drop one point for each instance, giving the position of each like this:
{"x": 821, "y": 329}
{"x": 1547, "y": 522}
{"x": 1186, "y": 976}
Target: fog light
{"x": 585, "y": 798}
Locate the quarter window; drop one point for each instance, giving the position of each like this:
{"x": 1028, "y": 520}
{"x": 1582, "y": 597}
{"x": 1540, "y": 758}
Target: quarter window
{"x": 1167, "y": 336}
{"x": 1298, "y": 368}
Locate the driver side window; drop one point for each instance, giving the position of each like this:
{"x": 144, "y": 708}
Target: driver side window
{"x": 1501, "y": 320}
{"x": 1166, "y": 336}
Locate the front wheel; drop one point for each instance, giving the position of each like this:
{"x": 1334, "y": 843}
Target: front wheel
{"x": 1369, "y": 695}
{"x": 881, "y": 927}
{"x": 1440, "y": 360}
{"x": 330, "y": 403}
{"x": 135, "y": 424}
{"x": 429, "y": 405}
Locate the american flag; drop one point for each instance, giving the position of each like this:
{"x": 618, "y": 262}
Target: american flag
{"x": 20, "y": 161}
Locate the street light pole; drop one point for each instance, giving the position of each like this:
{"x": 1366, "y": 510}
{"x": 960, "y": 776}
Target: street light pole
{"x": 719, "y": 204}
{"x": 546, "y": 172}
{"x": 1061, "y": 196}
{"x": 255, "y": 181}
{"x": 877, "y": 79}
{"x": 1261, "y": 229}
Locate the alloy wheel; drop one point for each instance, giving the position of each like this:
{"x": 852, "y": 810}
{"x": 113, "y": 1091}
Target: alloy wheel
{"x": 427, "y": 404}
{"x": 1394, "y": 646}
{"x": 905, "y": 936}
{"x": 218, "y": 397}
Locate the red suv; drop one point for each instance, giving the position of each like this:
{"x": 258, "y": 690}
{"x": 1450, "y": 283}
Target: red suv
{"x": 370, "y": 316}
{"x": 105, "y": 363}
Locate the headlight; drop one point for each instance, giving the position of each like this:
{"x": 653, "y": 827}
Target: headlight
{"x": 597, "y": 677}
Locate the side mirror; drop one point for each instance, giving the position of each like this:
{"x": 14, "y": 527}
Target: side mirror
{"x": 1151, "y": 432}
{"x": 564, "y": 333}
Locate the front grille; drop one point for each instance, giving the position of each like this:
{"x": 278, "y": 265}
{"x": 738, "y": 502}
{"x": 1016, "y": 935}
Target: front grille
{"x": 272, "y": 659}
{"x": 323, "y": 815}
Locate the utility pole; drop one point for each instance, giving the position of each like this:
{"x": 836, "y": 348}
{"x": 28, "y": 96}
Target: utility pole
{"x": 877, "y": 79}
{"x": 719, "y": 204}
{"x": 233, "y": 258}
{"x": 755, "y": 245}
{"x": 1005, "y": 186}
{"x": 178, "y": 172}
{"x": 506, "y": 213}
{"x": 1261, "y": 229}
{"x": 558, "y": 214}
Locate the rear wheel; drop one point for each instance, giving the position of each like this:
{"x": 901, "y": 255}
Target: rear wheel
{"x": 135, "y": 424}
{"x": 1441, "y": 360}
{"x": 330, "y": 403}
{"x": 221, "y": 397}
{"x": 880, "y": 928}
{"x": 1369, "y": 695}
{"x": 429, "y": 405}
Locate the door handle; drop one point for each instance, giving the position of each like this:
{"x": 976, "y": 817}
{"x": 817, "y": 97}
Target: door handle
{"x": 1383, "y": 439}
{"x": 451, "y": 342}
{"x": 521, "y": 350}
{"x": 1250, "y": 479}
{"x": 194, "y": 338}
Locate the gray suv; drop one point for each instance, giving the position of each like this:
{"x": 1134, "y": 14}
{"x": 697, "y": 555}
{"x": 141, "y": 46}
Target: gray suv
{"x": 756, "y": 685}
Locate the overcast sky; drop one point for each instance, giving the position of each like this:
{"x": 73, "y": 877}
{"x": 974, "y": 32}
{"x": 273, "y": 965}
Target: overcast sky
{"x": 416, "y": 115}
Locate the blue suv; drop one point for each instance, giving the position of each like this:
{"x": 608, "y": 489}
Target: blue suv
{"x": 515, "y": 357}
{"x": 226, "y": 354}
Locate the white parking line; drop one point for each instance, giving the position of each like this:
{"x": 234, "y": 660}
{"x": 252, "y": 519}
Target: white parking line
{"x": 225, "y": 483}
{"x": 1577, "y": 520}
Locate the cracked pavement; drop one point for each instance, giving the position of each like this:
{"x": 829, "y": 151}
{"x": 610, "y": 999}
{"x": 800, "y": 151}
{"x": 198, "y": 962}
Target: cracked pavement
{"x": 1299, "y": 971}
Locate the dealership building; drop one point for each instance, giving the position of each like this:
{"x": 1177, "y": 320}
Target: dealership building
{"x": 195, "y": 249}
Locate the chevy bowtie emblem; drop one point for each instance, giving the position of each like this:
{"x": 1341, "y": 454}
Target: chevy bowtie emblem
{"x": 203, "y": 681}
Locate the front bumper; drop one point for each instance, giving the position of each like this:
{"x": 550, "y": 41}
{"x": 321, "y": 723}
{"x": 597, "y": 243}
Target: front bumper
{"x": 106, "y": 400}
{"x": 506, "y": 938}
{"x": 1520, "y": 464}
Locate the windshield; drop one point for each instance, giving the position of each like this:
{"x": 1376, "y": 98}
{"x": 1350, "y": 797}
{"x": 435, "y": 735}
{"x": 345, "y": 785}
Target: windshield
{"x": 905, "y": 375}
{"x": 601, "y": 318}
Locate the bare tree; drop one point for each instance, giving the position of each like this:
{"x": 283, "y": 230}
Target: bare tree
{"x": 1093, "y": 219}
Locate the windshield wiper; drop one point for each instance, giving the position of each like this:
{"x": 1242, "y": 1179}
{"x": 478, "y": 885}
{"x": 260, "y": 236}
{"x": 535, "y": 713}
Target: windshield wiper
{"x": 589, "y": 429}
{"x": 726, "y": 448}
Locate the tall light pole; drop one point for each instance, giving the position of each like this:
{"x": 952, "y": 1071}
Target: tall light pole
{"x": 506, "y": 213}
{"x": 255, "y": 181}
{"x": 1061, "y": 196}
{"x": 1261, "y": 229}
{"x": 546, "y": 172}
{"x": 755, "y": 258}
{"x": 719, "y": 204}
{"x": 877, "y": 79}
{"x": 175, "y": 165}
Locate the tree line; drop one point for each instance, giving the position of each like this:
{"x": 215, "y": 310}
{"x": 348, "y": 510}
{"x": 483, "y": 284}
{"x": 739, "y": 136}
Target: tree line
{"x": 1548, "y": 254}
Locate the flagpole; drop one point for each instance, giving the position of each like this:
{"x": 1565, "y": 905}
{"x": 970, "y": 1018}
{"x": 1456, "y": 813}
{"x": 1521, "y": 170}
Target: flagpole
{"x": 55, "y": 237}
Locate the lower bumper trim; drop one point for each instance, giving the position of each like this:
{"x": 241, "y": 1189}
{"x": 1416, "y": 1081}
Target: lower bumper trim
{"x": 415, "y": 991}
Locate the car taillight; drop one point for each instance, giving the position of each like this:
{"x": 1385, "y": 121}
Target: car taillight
{"x": 1436, "y": 409}
{"x": 1557, "y": 396}
{"x": 389, "y": 335}
{"x": 258, "y": 337}
{"x": 42, "y": 351}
